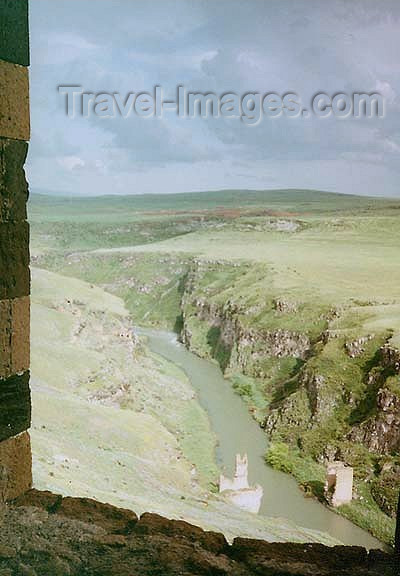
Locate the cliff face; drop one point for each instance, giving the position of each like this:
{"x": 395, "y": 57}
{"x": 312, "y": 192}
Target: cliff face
{"x": 328, "y": 391}
{"x": 241, "y": 345}
{"x": 311, "y": 405}
{"x": 381, "y": 431}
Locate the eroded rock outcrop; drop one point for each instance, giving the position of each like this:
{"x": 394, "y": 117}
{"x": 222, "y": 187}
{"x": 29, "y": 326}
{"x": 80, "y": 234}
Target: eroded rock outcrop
{"x": 391, "y": 358}
{"x": 381, "y": 433}
{"x": 356, "y": 347}
{"x": 308, "y": 406}
{"x": 243, "y": 345}
{"x": 293, "y": 413}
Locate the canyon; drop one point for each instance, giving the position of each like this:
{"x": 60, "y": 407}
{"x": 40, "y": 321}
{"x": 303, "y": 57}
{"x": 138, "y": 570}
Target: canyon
{"x": 306, "y": 355}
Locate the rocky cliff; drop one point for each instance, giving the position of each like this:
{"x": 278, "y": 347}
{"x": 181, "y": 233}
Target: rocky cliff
{"x": 329, "y": 392}
{"x": 231, "y": 339}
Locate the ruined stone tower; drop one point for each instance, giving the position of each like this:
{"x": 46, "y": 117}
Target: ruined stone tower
{"x": 238, "y": 491}
{"x": 339, "y": 484}
{"x": 240, "y": 478}
{"x": 15, "y": 405}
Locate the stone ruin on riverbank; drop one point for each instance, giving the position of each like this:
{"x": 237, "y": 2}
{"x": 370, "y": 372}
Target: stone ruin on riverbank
{"x": 339, "y": 484}
{"x": 238, "y": 491}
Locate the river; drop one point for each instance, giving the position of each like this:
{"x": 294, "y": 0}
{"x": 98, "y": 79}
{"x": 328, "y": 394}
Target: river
{"x": 237, "y": 431}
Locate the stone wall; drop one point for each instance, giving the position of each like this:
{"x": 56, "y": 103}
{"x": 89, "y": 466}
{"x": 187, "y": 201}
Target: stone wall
{"x": 48, "y": 534}
{"x": 15, "y": 405}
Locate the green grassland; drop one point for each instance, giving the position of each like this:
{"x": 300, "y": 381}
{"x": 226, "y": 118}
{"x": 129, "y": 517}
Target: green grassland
{"x": 82, "y": 349}
{"x": 332, "y": 260}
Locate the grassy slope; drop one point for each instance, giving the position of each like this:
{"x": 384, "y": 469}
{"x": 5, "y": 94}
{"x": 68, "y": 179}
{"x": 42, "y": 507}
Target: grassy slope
{"x": 342, "y": 255}
{"x": 80, "y": 350}
{"x": 113, "y": 422}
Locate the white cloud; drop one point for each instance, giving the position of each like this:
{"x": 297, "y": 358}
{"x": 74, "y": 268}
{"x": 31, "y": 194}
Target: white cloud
{"x": 386, "y": 90}
{"x": 70, "y": 162}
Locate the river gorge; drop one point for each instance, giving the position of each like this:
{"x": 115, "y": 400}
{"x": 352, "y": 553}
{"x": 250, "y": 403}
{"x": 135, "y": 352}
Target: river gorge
{"x": 237, "y": 432}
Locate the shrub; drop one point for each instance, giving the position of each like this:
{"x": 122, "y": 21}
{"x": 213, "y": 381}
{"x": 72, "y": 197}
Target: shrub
{"x": 385, "y": 490}
{"x": 278, "y": 456}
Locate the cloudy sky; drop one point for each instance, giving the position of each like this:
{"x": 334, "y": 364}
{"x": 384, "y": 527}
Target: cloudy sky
{"x": 302, "y": 46}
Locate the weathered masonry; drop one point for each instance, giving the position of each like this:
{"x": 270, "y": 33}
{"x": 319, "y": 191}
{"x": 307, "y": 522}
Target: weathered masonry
{"x": 15, "y": 404}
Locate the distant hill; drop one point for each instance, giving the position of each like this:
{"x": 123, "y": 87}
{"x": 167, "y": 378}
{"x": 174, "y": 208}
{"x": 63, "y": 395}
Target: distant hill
{"x": 282, "y": 199}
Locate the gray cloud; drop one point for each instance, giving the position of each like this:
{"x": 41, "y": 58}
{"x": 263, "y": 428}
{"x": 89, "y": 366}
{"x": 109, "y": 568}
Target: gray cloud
{"x": 303, "y": 46}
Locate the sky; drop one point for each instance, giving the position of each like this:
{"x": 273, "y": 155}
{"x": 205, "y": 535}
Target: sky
{"x": 301, "y": 46}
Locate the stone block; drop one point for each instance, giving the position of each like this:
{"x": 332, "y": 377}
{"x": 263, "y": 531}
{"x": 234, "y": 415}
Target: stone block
{"x": 14, "y": 33}
{"x": 20, "y": 335}
{"x": 15, "y": 405}
{"x": 5, "y": 338}
{"x": 13, "y": 185}
{"x": 275, "y": 558}
{"x": 14, "y": 101}
{"x": 39, "y": 499}
{"x": 151, "y": 524}
{"x": 15, "y": 466}
{"x": 113, "y": 520}
{"x": 397, "y": 534}
{"x": 14, "y": 260}
{"x": 14, "y": 336}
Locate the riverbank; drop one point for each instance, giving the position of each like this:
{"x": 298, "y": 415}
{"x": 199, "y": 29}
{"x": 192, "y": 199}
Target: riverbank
{"x": 237, "y": 432}
{"x": 118, "y": 423}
